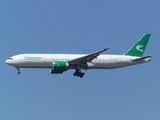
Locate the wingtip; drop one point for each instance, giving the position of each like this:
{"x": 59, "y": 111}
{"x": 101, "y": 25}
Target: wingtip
{"x": 106, "y": 48}
{"x": 150, "y": 55}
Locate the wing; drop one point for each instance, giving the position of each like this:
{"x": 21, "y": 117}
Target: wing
{"x": 87, "y": 58}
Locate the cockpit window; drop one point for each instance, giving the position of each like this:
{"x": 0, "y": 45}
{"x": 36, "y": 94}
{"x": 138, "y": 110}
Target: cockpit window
{"x": 10, "y": 58}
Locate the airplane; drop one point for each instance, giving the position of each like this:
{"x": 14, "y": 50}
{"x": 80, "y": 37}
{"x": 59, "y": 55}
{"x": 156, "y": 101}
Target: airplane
{"x": 59, "y": 63}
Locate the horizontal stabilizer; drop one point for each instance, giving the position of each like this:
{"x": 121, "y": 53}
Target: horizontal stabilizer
{"x": 142, "y": 58}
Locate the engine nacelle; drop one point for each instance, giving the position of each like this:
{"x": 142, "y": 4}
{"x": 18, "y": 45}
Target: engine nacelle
{"x": 59, "y": 67}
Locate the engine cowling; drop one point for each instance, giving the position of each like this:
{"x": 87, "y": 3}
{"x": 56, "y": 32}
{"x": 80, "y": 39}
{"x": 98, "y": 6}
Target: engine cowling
{"x": 59, "y": 67}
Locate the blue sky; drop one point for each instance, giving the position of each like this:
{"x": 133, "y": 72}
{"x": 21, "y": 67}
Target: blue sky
{"x": 85, "y": 26}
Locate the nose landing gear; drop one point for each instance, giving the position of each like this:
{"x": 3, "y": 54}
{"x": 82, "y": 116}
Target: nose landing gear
{"x": 18, "y": 70}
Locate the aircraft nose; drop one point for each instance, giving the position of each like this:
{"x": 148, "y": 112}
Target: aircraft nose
{"x": 7, "y": 62}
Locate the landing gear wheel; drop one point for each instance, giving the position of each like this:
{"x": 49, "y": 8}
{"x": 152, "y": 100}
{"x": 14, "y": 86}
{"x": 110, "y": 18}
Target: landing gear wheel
{"x": 78, "y": 73}
{"x": 82, "y": 74}
{"x": 18, "y": 70}
{"x": 74, "y": 74}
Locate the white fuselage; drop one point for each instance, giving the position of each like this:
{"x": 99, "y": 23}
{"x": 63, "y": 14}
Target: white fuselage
{"x": 46, "y": 61}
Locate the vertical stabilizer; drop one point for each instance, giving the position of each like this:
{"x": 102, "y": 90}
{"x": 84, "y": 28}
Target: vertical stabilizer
{"x": 139, "y": 47}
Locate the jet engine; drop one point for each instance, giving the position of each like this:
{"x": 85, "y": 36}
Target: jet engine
{"x": 59, "y": 67}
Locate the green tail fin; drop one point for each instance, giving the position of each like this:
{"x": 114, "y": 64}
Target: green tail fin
{"x": 139, "y": 47}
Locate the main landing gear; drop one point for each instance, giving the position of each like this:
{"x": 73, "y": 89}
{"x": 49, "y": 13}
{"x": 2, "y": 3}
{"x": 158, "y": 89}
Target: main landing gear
{"x": 18, "y": 70}
{"x": 78, "y": 73}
